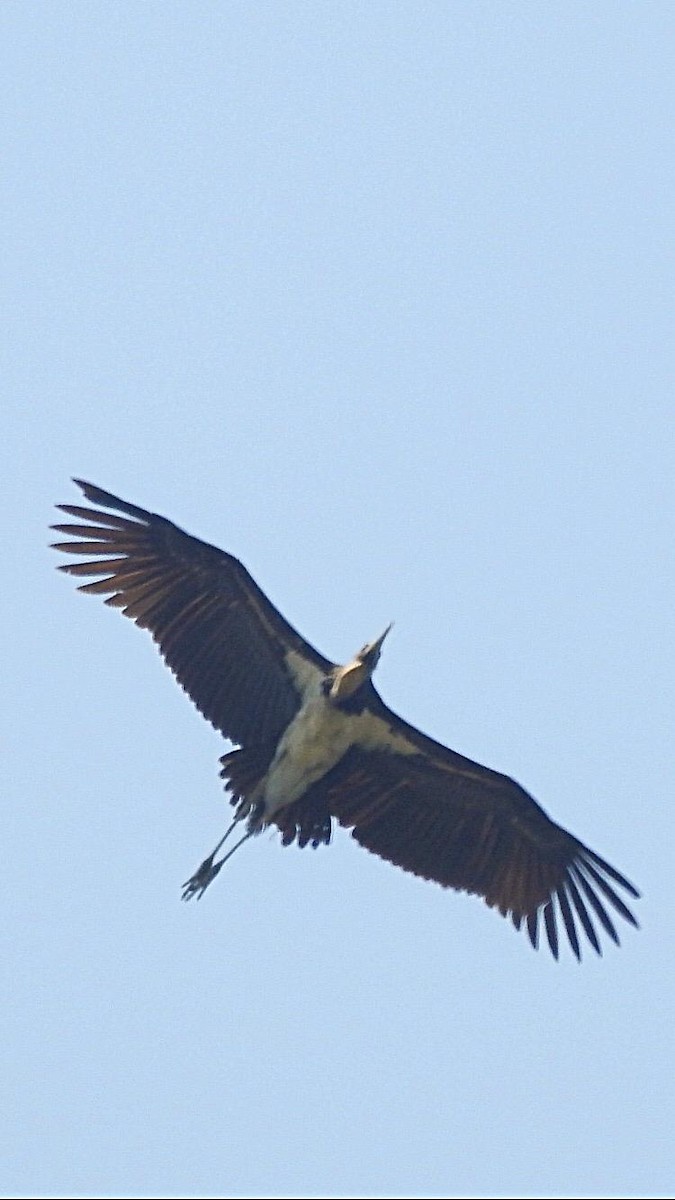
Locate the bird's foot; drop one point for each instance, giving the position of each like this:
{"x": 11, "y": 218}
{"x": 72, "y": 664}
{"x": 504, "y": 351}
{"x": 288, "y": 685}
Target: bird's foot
{"x": 197, "y": 884}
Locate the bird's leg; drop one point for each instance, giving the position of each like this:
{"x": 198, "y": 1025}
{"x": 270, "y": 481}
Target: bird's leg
{"x": 206, "y": 873}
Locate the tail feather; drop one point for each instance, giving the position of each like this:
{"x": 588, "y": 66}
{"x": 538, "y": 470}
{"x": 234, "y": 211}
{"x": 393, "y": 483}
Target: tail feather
{"x": 306, "y": 821}
{"x": 244, "y": 769}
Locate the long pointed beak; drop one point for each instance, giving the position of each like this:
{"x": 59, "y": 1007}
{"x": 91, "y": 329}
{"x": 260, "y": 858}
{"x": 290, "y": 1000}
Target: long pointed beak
{"x": 375, "y": 647}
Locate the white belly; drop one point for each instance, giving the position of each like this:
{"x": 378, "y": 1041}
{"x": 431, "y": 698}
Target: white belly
{"x": 316, "y": 740}
{"x": 313, "y": 743}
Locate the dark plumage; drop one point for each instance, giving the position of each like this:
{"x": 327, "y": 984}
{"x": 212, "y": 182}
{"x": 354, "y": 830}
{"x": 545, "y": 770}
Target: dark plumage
{"x": 317, "y": 743}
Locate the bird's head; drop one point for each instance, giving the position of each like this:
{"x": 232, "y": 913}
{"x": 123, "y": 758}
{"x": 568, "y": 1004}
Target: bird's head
{"x": 369, "y": 655}
{"x": 347, "y": 680}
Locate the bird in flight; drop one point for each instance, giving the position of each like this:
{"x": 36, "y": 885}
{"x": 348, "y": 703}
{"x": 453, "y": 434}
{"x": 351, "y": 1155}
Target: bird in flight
{"x": 316, "y": 743}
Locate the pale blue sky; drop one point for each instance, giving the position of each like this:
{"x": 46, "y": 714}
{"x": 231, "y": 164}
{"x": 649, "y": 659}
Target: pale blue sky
{"x": 380, "y": 298}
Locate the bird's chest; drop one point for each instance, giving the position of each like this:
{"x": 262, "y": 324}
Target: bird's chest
{"x": 314, "y": 742}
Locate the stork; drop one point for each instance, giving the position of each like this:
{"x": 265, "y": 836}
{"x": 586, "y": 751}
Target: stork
{"x": 316, "y": 743}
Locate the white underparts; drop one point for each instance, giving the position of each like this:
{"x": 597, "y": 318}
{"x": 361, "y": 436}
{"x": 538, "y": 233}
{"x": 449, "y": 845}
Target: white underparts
{"x": 316, "y": 740}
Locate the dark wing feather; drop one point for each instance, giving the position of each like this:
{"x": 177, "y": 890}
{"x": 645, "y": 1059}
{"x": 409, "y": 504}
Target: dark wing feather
{"x": 220, "y": 635}
{"x": 445, "y": 818}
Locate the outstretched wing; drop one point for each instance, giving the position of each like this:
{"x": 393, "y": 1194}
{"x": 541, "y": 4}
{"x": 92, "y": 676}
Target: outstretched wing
{"x": 238, "y": 659}
{"x": 443, "y": 817}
